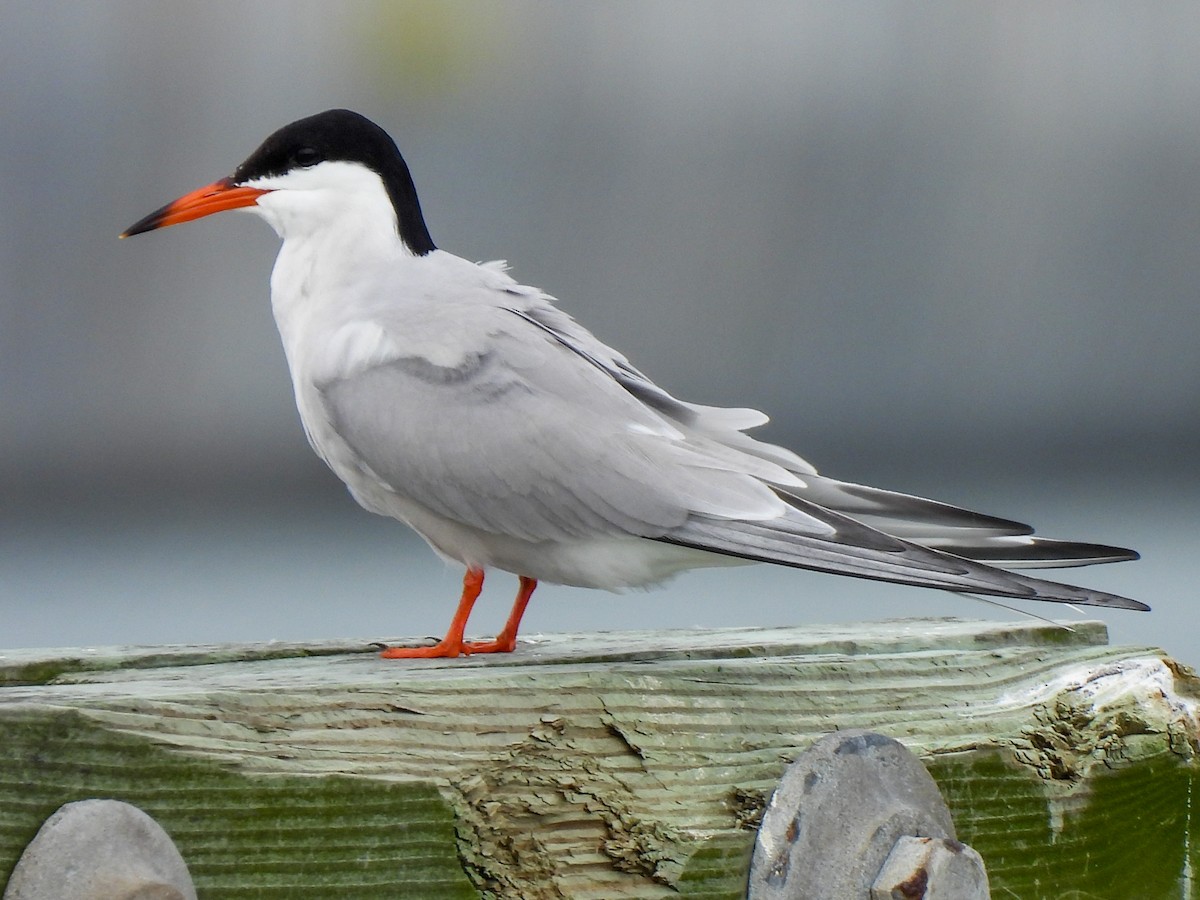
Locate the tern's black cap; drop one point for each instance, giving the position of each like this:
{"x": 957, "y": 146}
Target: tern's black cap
{"x": 340, "y": 135}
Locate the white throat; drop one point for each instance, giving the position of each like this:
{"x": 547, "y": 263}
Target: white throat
{"x": 340, "y": 241}
{"x": 330, "y": 201}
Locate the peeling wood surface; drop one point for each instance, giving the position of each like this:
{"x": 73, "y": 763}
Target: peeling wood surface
{"x": 620, "y": 764}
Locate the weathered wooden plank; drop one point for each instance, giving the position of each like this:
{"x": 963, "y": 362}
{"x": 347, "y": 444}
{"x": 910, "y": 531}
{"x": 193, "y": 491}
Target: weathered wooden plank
{"x": 626, "y": 764}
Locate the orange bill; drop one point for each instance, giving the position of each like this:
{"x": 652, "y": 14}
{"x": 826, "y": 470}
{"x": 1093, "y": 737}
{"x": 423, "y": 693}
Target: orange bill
{"x": 212, "y": 198}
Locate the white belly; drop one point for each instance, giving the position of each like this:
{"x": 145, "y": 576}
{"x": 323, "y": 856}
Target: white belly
{"x": 613, "y": 562}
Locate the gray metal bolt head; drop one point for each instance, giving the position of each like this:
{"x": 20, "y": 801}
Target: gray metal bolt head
{"x": 100, "y": 850}
{"x": 921, "y": 868}
{"x": 836, "y": 815}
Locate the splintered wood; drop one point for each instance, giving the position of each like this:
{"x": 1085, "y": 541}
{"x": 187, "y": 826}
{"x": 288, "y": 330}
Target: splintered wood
{"x": 594, "y": 766}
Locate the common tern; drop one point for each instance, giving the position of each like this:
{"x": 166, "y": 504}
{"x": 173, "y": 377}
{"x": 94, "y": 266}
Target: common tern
{"x": 448, "y": 395}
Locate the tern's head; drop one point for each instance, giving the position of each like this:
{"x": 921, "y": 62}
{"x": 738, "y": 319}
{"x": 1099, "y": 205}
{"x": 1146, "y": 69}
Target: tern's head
{"x": 310, "y": 175}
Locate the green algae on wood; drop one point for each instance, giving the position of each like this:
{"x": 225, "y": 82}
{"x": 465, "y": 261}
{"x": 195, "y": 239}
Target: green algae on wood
{"x": 242, "y": 837}
{"x": 1130, "y": 833}
{"x": 628, "y": 765}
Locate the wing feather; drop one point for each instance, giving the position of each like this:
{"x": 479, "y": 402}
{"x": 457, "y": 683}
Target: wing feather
{"x": 512, "y": 419}
{"x": 539, "y": 447}
{"x": 856, "y": 549}
{"x": 932, "y": 523}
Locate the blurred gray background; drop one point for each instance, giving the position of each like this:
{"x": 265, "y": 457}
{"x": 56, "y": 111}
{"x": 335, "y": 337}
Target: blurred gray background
{"x": 951, "y": 248}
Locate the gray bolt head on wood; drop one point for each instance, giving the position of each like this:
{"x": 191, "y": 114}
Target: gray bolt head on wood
{"x": 100, "y": 850}
{"x": 922, "y": 868}
{"x": 836, "y": 815}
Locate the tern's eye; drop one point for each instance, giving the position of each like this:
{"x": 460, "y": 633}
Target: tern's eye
{"x": 306, "y": 156}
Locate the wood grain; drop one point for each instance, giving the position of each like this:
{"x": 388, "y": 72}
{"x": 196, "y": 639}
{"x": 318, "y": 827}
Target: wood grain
{"x": 627, "y": 764}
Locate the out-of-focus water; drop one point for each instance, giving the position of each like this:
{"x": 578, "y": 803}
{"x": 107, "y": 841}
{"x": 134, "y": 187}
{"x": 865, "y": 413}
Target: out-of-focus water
{"x": 227, "y": 569}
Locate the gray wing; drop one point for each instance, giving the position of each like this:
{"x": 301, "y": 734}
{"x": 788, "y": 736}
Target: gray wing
{"x": 952, "y": 529}
{"x": 931, "y": 523}
{"x": 862, "y": 551}
{"x": 539, "y": 431}
{"x": 870, "y": 533}
{"x": 515, "y": 434}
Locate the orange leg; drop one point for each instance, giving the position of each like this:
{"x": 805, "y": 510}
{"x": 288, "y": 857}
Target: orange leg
{"x": 506, "y": 640}
{"x": 452, "y": 644}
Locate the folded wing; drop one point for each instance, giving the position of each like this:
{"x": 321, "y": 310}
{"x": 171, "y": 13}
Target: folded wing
{"x": 539, "y": 431}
